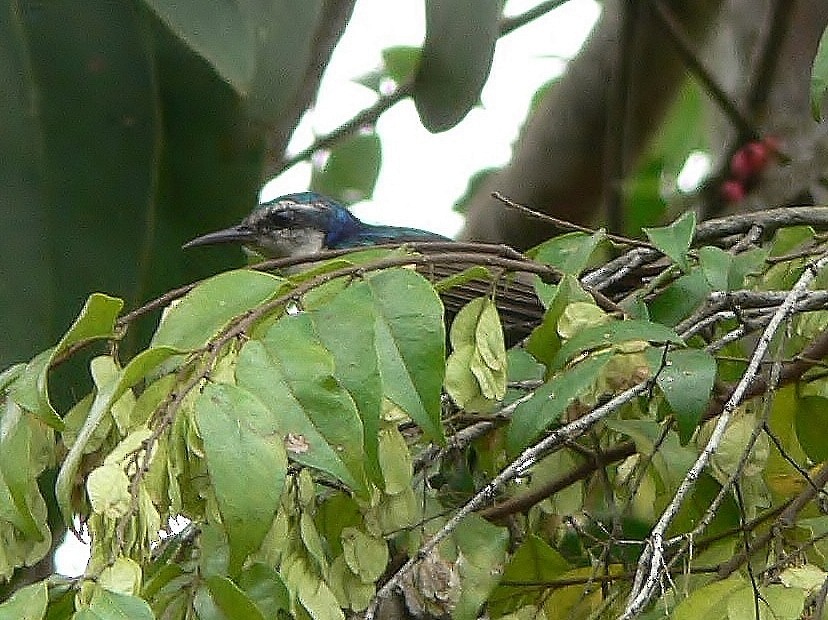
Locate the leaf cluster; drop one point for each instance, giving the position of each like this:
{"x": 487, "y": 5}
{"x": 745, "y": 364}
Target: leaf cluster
{"x": 326, "y": 452}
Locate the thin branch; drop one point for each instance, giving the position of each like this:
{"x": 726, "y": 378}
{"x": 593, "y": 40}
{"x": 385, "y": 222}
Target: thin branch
{"x": 652, "y": 560}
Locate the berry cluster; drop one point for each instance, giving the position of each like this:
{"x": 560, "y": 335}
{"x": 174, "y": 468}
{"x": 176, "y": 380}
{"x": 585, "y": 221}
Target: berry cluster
{"x": 746, "y": 166}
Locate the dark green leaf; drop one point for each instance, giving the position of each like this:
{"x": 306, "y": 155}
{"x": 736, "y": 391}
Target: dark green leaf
{"x": 674, "y": 240}
{"x": 716, "y": 265}
{"x": 686, "y": 382}
{"x": 351, "y": 170}
{"x": 202, "y": 313}
{"x": 550, "y": 401}
{"x": 680, "y": 298}
{"x": 91, "y": 63}
{"x": 263, "y": 585}
{"x": 217, "y": 31}
{"x": 27, "y": 293}
{"x": 811, "y": 419}
{"x": 644, "y": 196}
{"x": 613, "y": 333}
{"x": 30, "y": 391}
{"x": 292, "y": 374}
{"x": 286, "y": 33}
{"x": 410, "y": 341}
{"x": 457, "y": 55}
{"x": 247, "y": 464}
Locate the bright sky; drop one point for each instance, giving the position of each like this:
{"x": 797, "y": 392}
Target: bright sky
{"x": 423, "y": 174}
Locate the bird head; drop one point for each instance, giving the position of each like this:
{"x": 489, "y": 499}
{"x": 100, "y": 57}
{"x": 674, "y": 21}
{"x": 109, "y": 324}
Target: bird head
{"x": 290, "y": 225}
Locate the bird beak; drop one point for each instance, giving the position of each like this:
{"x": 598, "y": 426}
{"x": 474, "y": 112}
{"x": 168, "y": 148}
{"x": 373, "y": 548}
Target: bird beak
{"x": 234, "y": 234}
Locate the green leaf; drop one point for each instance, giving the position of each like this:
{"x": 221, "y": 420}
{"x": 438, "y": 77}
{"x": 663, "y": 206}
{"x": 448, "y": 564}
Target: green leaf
{"x": 613, "y": 333}
{"x": 365, "y": 555}
{"x": 263, "y": 585}
{"x": 410, "y": 342}
{"x": 27, "y": 603}
{"x": 31, "y": 390}
{"x": 476, "y": 367}
{"x": 98, "y": 173}
{"x": 219, "y": 32}
{"x": 570, "y": 253}
{"x": 716, "y": 265}
{"x": 811, "y": 417}
{"x": 395, "y": 461}
{"x": 106, "y": 605}
{"x": 204, "y": 311}
{"x": 686, "y": 382}
{"x": 247, "y": 464}
{"x": 456, "y": 59}
{"x": 291, "y": 373}
{"x": 483, "y": 552}
{"x": 544, "y": 341}
{"x": 232, "y": 600}
{"x": 286, "y": 33}
{"x": 550, "y": 401}
{"x": 401, "y": 62}
{"x": 680, "y": 298}
{"x": 345, "y": 327}
{"x": 96, "y": 321}
{"x": 351, "y": 169}
{"x": 674, "y": 240}
{"x": 26, "y": 297}
{"x": 819, "y": 78}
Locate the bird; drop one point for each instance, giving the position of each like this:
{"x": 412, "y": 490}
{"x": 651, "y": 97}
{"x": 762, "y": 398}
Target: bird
{"x": 306, "y": 223}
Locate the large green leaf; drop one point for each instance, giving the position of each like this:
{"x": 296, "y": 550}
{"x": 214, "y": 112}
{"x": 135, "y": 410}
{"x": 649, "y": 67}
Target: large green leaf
{"x": 218, "y": 31}
{"x": 247, "y": 464}
{"x": 202, "y": 313}
{"x": 410, "y": 341}
{"x": 483, "y": 547}
{"x": 345, "y": 326}
{"x": 27, "y": 291}
{"x": 99, "y": 120}
{"x": 456, "y": 59}
{"x": 674, "y": 240}
{"x": 293, "y": 375}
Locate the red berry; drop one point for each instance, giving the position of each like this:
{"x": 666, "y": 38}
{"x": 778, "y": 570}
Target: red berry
{"x": 757, "y": 154}
{"x": 740, "y": 165}
{"x": 732, "y": 190}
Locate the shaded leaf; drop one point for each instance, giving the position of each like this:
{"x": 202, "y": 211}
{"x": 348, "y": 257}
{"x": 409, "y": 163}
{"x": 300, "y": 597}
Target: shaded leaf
{"x": 811, "y": 415}
{"x": 550, "y": 401}
{"x": 232, "y": 600}
{"x": 456, "y": 59}
{"x": 674, "y": 240}
{"x": 217, "y": 31}
{"x": 680, "y": 298}
{"x": 351, "y": 169}
{"x": 483, "y": 552}
{"x": 263, "y": 585}
{"x": 819, "y": 78}
{"x": 686, "y": 382}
